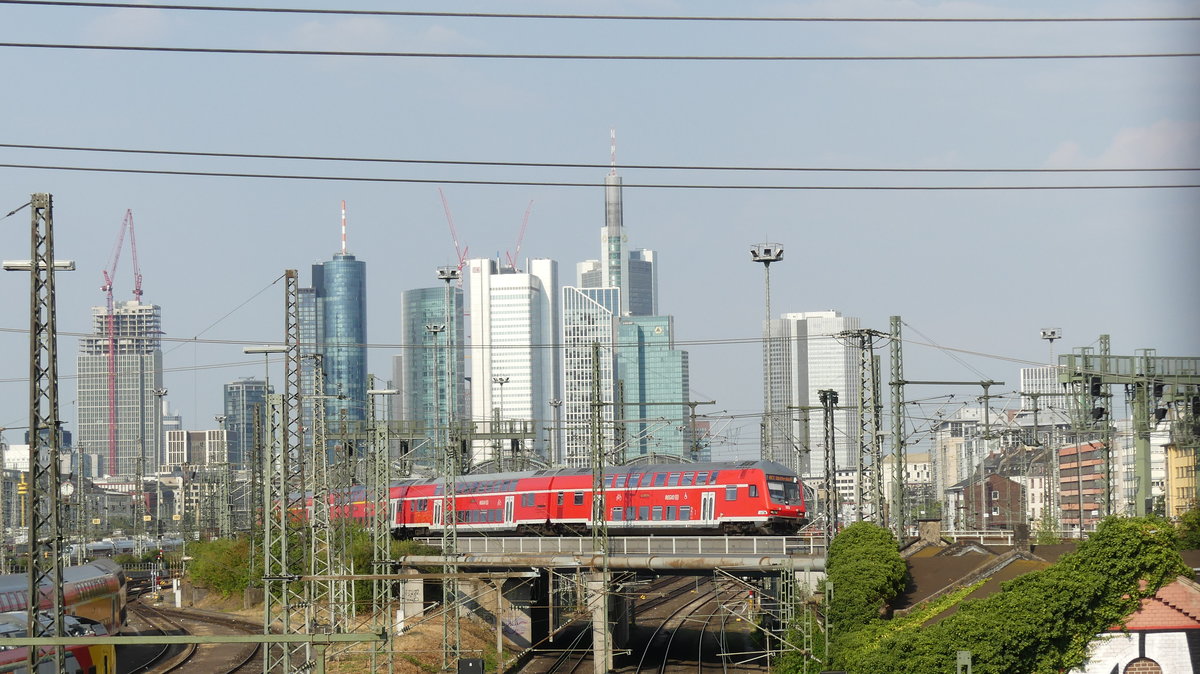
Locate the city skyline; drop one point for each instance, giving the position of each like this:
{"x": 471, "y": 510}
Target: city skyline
{"x": 974, "y": 267}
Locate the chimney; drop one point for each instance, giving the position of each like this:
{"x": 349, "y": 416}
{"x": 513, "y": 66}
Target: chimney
{"x": 1021, "y": 536}
{"x": 930, "y": 531}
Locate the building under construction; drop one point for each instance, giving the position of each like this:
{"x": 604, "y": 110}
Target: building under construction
{"x": 117, "y": 405}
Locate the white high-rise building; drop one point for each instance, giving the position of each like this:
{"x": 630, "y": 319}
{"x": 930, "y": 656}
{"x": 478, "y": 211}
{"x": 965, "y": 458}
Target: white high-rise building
{"x": 117, "y": 408}
{"x": 1042, "y": 381}
{"x": 589, "y": 347}
{"x": 809, "y": 358}
{"x": 514, "y": 367}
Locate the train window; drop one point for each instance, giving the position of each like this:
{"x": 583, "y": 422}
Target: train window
{"x": 560, "y": 498}
{"x": 688, "y": 478}
{"x": 731, "y": 493}
{"x": 712, "y": 479}
{"x": 608, "y": 481}
{"x": 685, "y": 512}
{"x": 702, "y": 478}
{"x": 527, "y": 500}
{"x": 658, "y": 513}
{"x": 643, "y": 512}
{"x": 617, "y": 514}
{"x": 673, "y": 481}
{"x": 629, "y": 514}
{"x": 620, "y": 482}
{"x": 753, "y": 491}
{"x": 660, "y": 479}
{"x": 578, "y": 498}
{"x": 670, "y": 512}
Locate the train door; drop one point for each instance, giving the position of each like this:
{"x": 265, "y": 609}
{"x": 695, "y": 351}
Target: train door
{"x": 508, "y": 510}
{"x": 708, "y": 507}
{"x": 437, "y": 515}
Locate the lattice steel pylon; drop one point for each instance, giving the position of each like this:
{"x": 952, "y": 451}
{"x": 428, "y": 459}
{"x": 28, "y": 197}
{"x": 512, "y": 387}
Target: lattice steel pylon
{"x": 899, "y": 448}
{"x": 45, "y": 535}
{"x": 379, "y": 471}
{"x": 284, "y": 598}
{"x": 322, "y": 612}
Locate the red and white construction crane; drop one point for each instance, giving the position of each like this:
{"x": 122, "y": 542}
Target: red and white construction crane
{"x": 460, "y": 251}
{"x": 110, "y": 330}
{"x": 515, "y": 256}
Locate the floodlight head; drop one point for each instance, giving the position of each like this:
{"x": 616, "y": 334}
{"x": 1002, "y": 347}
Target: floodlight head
{"x": 449, "y": 273}
{"x": 1051, "y": 334}
{"x": 766, "y": 253}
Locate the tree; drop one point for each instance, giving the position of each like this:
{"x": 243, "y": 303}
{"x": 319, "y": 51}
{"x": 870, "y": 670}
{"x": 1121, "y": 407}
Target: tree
{"x": 1189, "y": 530}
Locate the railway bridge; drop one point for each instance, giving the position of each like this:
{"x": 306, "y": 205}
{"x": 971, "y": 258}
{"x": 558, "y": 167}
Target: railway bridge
{"x": 530, "y": 587}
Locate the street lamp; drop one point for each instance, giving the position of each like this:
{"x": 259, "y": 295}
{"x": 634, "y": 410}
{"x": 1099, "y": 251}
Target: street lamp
{"x": 498, "y": 415}
{"x": 556, "y": 406}
{"x": 766, "y": 253}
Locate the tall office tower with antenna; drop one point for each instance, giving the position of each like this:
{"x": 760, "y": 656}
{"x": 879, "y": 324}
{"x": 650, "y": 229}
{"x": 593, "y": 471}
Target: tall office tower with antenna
{"x": 333, "y": 320}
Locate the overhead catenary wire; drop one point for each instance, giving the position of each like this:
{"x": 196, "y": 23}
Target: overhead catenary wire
{"x": 592, "y": 17}
{"x": 590, "y": 185}
{"x": 583, "y": 165}
{"x": 743, "y": 58}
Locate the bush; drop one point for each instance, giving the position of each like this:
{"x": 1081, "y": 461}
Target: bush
{"x": 1042, "y": 621}
{"x": 866, "y": 571}
{"x": 220, "y": 565}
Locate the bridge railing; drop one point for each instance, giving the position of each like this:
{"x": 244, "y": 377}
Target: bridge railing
{"x": 644, "y": 545}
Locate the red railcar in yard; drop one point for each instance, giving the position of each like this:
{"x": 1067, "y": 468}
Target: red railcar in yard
{"x": 746, "y": 497}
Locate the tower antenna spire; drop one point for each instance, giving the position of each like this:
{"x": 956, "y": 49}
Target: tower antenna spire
{"x": 343, "y": 226}
{"x": 612, "y": 136}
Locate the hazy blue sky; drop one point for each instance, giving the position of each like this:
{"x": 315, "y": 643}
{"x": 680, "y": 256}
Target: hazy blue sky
{"x": 980, "y": 270}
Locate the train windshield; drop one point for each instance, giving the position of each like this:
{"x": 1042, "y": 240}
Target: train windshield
{"x": 783, "y": 491}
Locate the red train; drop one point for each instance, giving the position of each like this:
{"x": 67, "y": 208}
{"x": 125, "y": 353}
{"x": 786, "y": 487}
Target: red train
{"x": 747, "y": 497}
{"x": 95, "y": 603}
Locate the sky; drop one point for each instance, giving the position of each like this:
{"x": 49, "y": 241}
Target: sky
{"x": 975, "y": 274}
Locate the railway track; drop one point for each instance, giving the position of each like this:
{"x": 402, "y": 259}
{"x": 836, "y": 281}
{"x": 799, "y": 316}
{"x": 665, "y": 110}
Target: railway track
{"x": 209, "y": 658}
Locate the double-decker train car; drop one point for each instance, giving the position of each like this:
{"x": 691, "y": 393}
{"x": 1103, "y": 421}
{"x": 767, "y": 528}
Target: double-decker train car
{"x": 84, "y": 659}
{"x": 94, "y": 592}
{"x": 747, "y": 497}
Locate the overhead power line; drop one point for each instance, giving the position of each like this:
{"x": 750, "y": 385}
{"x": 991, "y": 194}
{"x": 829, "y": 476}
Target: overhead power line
{"x": 593, "y": 185}
{"x": 583, "y": 57}
{"x": 606, "y": 166}
{"x": 597, "y": 17}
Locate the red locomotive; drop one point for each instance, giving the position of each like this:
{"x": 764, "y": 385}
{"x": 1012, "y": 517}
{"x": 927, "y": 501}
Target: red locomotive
{"x": 745, "y": 497}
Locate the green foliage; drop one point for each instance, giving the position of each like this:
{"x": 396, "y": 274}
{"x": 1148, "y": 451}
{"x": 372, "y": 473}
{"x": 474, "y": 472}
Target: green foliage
{"x": 866, "y": 571}
{"x": 220, "y": 565}
{"x": 1189, "y": 530}
{"x": 1047, "y": 529}
{"x": 1039, "y": 622}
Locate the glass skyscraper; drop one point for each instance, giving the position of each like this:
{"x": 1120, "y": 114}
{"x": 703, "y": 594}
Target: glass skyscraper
{"x": 242, "y": 400}
{"x": 423, "y": 355}
{"x": 651, "y": 370}
{"x": 333, "y": 323}
{"x": 589, "y": 341}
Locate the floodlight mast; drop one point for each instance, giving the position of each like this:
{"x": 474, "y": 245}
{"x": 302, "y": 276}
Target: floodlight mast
{"x": 766, "y": 253}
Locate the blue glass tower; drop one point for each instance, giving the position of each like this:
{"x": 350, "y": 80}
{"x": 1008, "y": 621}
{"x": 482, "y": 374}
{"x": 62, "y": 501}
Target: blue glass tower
{"x": 423, "y": 357}
{"x": 340, "y": 308}
{"x": 243, "y": 399}
{"x": 651, "y": 370}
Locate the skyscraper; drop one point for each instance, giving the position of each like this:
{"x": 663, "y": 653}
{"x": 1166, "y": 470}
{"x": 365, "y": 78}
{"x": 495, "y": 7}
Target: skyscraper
{"x": 812, "y": 359}
{"x": 243, "y": 399}
{"x": 116, "y": 409}
{"x": 589, "y": 370}
{"x": 653, "y": 386}
{"x": 333, "y": 318}
{"x": 514, "y": 369}
{"x": 421, "y": 375}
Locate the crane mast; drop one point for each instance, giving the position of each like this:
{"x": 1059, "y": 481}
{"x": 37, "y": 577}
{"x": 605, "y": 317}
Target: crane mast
{"x": 110, "y": 324}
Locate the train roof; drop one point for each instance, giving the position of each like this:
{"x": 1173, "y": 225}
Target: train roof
{"x": 19, "y": 582}
{"x": 766, "y": 466}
